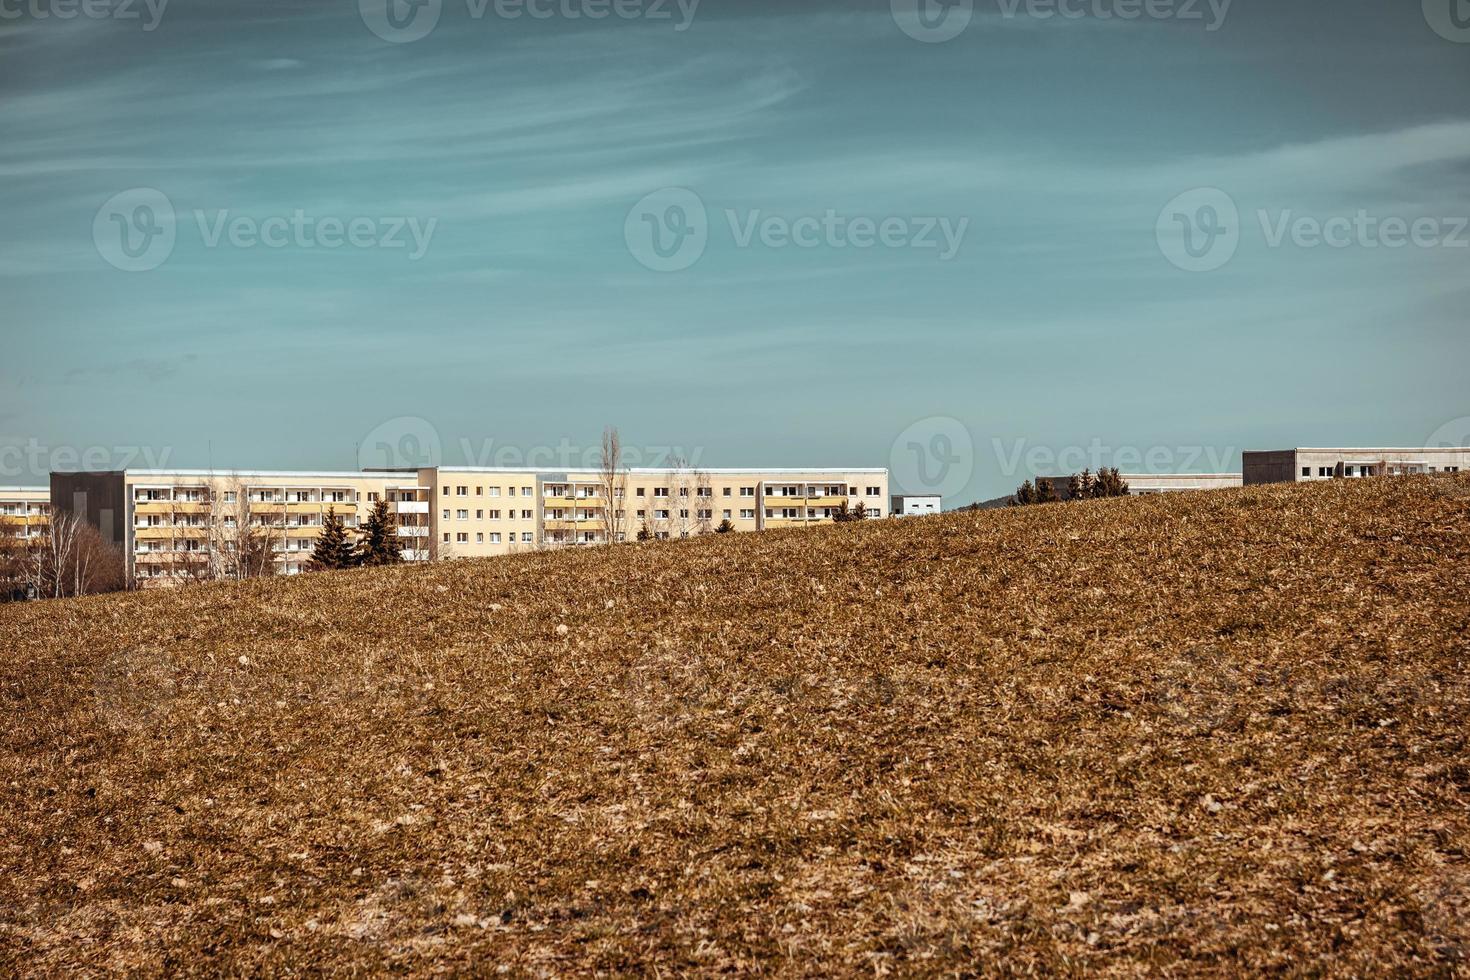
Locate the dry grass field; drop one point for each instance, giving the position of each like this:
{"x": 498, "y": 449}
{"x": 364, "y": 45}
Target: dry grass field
{"x": 1208, "y": 734}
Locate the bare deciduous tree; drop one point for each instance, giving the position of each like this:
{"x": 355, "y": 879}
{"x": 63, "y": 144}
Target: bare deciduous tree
{"x": 613, "y": 477}
{"x": 72, "y": 558}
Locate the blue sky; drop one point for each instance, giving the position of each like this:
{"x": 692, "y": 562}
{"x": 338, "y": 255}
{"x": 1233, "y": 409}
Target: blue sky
{"x": 523, "y": 317}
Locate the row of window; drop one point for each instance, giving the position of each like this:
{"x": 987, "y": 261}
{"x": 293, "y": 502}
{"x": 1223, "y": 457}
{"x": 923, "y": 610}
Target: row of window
{"x": 464, "y": 491}
{"x": 463, "y": 537}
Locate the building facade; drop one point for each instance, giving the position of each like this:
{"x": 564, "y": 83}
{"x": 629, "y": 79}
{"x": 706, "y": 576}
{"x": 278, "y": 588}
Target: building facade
{"x": 916, "y": 505}
{"x": 25, "y": 513}
{"x": 183, "y": 525}
{"x": 1145, "y": 484}
{"x": 1304, "y": 465}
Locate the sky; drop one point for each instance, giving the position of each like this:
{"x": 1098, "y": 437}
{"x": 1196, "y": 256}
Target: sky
{"x": 971, "y": 243}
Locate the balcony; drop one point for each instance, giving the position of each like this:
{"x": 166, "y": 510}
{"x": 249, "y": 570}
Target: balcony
{"x": 412, "y": 531}
{"x": 774, "y": 523}
{"x": 777, "y": 501}
{"x": 412, "y": 506}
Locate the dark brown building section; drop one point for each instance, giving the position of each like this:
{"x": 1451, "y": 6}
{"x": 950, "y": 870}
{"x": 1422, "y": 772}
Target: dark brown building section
{"x": 101, "y": 498}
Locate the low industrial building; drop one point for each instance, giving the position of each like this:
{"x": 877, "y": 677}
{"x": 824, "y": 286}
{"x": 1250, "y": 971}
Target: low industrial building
{"x": 916, "y": 505}
{"x": 1303, "y": 465}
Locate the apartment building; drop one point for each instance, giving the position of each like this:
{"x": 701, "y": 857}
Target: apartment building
{"x": 25, "y": 513}
{"x": 188, "y": 524}
{"x": 1303, "y": 465}
{"x": 181, "y": 525}
{"x": 480, "y": 512}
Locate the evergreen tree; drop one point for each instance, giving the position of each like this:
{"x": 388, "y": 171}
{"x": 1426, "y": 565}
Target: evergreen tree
{"x": 842, "y": 513}
{"x": 725, "y": 527}
{"x": 1025, "y": 495}
{"x": 1046, "y": 493}
{"x": 860, "y": 512}
{"x": 1074, "y": 487}
{"x": 379, "y": 543}
{"x": 332, "y": 547}
{"x": 1086, "y": 485}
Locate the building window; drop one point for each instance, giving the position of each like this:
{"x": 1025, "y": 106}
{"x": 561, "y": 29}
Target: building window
{"x": 495, "y": 515}
{"x": 446, "y": 537}
{"x": 725, "y": 514}
{"x": 494, "y": 537}
{"x": 446, "y": 491}
{"x": 747, "y": 515}
{"x": 446, "y": 513}
{"x": 726, "y": 492}
{"x": 495, "y": 491}
{"x": 479, "y": 537}
{"x": 747, "y": 491}
{"x": 526, "y": 537}
{"x": 463, "y": 537}
{"x": 1306, "y": 471}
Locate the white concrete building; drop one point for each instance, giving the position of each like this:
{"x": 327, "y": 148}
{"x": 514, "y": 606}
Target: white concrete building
{"x": 916, "y": 504}
{"x": 1303, "y": 465}
{"x": 1143, "y": 484}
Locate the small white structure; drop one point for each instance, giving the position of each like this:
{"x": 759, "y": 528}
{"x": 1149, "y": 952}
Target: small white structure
{"x": 916, "y": 505}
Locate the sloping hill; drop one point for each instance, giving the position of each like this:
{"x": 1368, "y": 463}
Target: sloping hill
{"x": 1206, "y": 733}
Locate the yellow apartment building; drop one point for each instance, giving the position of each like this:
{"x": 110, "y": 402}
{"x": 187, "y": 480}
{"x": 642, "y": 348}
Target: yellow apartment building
{"x": 183, "y": 525}
{"x": 25, "y": 512}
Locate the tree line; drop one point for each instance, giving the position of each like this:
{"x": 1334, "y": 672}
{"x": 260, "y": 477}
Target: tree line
{"x": 1079, "y": 486}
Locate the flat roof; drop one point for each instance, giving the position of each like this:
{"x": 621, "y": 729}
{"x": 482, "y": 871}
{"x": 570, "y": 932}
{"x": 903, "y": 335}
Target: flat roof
{"x": 268, "y": 474}
{"x": 1370, "y": 449}
{"x": 659, "y": 470}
